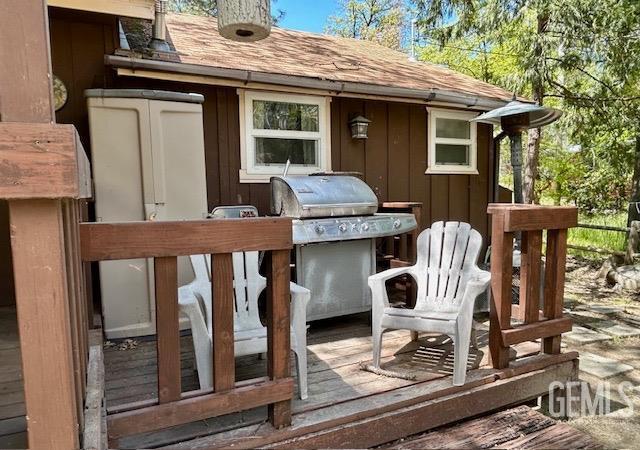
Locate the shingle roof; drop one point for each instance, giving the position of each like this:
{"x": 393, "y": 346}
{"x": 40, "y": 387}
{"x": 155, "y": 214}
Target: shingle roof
{"x": 318, "y": 56}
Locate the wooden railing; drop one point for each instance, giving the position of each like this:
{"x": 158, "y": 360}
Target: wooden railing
{"x": 45, "y": 177}
{"x": 164, "y": 242}
{"x": 548, "y": 324}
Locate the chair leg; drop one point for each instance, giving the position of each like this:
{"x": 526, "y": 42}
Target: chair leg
{"x": 474, "y": 336}
{"x": 376, "y": 335}
{"x": 301, "y": 369}
{"x": 461, "y": 351}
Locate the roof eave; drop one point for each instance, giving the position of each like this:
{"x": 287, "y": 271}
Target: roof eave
{"x": 427, "y": 95}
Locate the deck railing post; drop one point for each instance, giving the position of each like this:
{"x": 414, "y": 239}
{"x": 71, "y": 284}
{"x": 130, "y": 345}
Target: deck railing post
{"x": 41, "y": 180}
{"x": 278, "y": 329}
{"x": 224, "y": 375}
{"x": 165, "y": 272}
{"x": 547, "y": 324}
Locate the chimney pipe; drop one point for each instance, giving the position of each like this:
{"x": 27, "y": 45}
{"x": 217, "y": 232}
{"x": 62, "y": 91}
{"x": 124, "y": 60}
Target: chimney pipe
{"x": 159, "y": 39}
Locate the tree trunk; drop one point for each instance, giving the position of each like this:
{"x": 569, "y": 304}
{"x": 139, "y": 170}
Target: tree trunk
{"x": 535, "y": 134}
{"x": 634, "y": 201}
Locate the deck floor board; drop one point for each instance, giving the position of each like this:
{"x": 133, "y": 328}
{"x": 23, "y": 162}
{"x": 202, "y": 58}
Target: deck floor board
{"x": 515, "y": 428}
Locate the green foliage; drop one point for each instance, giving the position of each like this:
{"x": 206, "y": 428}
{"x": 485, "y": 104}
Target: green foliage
{"x": 582, "y": 54}
{"x": 381, "y": 21}
{"x": 602, "y": 239}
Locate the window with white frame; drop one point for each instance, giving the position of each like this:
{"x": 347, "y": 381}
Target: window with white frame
{"x": 452, "y": 143}
{"x": 277, "y": 127}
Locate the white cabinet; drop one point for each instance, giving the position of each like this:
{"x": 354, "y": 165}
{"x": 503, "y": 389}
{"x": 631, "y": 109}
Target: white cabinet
{"x": 147, "y": 152}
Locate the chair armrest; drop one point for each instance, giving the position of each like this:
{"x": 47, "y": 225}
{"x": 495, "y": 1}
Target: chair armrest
{"x": 479, "y": 282}
{"x": 300, "y": 297}
{"x": 389, "y": 274}
{"x": 299, "y": 292}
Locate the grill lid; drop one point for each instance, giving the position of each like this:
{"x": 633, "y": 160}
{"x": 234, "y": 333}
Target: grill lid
{"x": 321, "y": 196}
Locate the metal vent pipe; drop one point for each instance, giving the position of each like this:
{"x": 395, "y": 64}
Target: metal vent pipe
{"x": 159, "y": 39}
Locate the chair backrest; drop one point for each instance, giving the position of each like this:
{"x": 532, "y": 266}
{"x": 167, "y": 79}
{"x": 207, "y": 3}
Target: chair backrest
{"x": 447, "y": 255}
{"x": 247, "y": 285}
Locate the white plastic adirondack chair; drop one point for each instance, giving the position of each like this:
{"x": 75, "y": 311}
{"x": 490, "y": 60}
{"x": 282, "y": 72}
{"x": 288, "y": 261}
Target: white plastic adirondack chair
{"x": 250, "y": 335}
{"x": 449, "y": 281}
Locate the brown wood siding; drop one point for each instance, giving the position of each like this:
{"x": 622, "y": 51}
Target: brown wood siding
{"x": 394, "y": 160}
{"x": 79, "y": 42}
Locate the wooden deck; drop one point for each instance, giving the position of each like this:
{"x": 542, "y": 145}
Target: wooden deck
{"x": 341, "y": 395}
{"x": 337, "y": 385}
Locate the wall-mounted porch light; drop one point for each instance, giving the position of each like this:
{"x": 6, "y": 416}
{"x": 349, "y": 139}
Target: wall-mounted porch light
{"x": 244, "y": 20}
{"x": 359, "y": 127}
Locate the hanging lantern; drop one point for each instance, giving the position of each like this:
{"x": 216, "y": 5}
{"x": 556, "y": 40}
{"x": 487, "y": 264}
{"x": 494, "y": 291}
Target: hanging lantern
{"x": 359, "y": 127}
{"x": 244, "y": 20}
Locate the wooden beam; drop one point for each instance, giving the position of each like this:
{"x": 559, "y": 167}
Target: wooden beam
{"x": 37, "y": 238}
{"x": 278, "y": 330}
{"x": 26, "y": 93}
{"x": 157, "y": 417}
{"x": 532, "y": 331}
{"x": 165, "y": 271}
{"x": 501, "y": 279}
{"x": 531, "y": 262}
{"x": 93, "y": 408}
{"x": 37, "y": 246}
{"x": 554, "y": 284}
{"x": 141, "y": 9}
{"x": 109, "y": 241}
{"x": 222, "y": 322}
{"x": 41, "y": 160}
{"x": 535, "y": 217}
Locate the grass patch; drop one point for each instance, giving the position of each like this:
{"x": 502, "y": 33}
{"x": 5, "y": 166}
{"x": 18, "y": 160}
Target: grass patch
{"x": 602, "y": 239}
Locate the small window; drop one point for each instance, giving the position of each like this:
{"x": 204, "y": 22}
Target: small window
{"x": 452, "y": 142}
{"x": 280, "y": 127}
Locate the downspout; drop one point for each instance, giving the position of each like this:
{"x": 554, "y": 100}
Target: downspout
{"x": 159, "y": 39}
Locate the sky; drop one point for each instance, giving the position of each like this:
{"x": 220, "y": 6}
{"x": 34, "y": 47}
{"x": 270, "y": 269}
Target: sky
{"x": 305, "y": 15}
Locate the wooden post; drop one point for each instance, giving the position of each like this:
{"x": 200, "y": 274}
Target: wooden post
{"x": 165, "y": 271}
{"x": 554, "y": 284}
{"x": 530, "y": 276}
{"x": 501, "y": 279}
{"x": 278, "y": 330}
{"x": 224, "y": 377}
{"x": 37, "y": 239}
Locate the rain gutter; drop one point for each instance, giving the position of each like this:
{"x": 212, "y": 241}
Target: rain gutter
{"x": 246, "y": 76}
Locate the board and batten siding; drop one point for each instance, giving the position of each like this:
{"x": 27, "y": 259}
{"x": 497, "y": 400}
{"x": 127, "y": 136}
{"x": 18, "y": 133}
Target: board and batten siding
{"x": 394, "y": 159}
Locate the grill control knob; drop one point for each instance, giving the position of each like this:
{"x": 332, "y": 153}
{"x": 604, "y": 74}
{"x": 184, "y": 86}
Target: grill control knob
{"x": 365, "y": 226}
{"x": 319, "y": 229}
{"x": 396, "y": 223}
{"x": 342, "y": 227}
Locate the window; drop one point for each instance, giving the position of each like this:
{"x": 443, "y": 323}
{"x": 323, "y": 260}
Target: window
{"x": 452, "y": 142}
{"x": 278, "y": 127}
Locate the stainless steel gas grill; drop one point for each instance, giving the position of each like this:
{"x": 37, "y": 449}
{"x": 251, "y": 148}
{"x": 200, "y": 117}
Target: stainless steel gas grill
{"x": 334, "y": 230}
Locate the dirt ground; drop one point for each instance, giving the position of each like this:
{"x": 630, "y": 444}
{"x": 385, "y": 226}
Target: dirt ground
{"x": 583, "y": 290}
